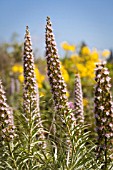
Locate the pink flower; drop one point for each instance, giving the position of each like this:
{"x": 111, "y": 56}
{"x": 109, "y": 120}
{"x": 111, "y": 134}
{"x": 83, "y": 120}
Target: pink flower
{"x": 108, "y": 79}
{"x": 101, "y": 108}
{"x": 107, "y": 135}
{"x": 106, "y": 72}
{"x": 99, "y": 90}
{"x": 110, "y": 124}
{"x": 71, "y": 105}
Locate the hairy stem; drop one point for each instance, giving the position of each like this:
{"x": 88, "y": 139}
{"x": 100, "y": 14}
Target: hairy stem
{"x": 105, "y": 154}
{"x": 10, "y": 145}
{"x": 30, "y": 135}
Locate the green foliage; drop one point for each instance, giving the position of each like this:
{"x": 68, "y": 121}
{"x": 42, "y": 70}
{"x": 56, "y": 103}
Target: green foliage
{"x": 67, "y": 147}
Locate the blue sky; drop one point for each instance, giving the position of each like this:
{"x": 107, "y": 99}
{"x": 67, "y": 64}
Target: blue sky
{"x": 73, "y": 21}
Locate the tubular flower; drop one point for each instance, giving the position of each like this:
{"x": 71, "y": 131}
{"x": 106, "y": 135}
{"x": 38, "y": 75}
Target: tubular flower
{"x": 103, "y": 110}
{"x": 56, "y": 79}
{"x": 6, "y": 118}
{"x": 30, "y": 95}
{"x": 78, "y": 100}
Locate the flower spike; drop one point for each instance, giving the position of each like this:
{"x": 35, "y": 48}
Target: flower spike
{"x": 103, "y": 110}
{"x": 78, "y": 100}
{"x": 31, "y": 94}
{"x": 6, "y": 118}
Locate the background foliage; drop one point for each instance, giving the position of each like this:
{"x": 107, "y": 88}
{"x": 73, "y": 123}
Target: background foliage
{"x": 76, "y": 60}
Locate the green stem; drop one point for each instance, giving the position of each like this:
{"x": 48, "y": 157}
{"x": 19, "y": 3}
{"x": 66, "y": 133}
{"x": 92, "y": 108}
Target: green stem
{"x": 105, "y": 153}
{"x": 12, "y": 155}
{"x": 30, "y": 133}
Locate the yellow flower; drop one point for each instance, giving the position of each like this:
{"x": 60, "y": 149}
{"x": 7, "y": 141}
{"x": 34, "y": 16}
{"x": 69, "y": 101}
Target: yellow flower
{"x": 74, "y": 57}
{"x": 67, "y": 94}
{"x": 85, "y": 101}
{"x": 72, "y": 48}
{"x": 17, "y": 68}
{"x": 40, "y": 78}
{"x": 80, "y": 67}
{"x": 20, "y": 69}
{"x": 64, "y": 73}
{"x": 106, "y": 53}
{"x": 39, "y": 85}
{"x": 94, "y": 54}
{"x": 21, "y": 78}
{"x": 41, "y": 94}
{"x": 85, "y": 50}
{"x": 68, "y": 47}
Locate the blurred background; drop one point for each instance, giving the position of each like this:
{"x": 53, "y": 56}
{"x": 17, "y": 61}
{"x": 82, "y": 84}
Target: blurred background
{"x": 84, "y": 34}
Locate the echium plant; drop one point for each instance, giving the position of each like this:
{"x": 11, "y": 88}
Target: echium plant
{"x": 30, "y": 94}
{"x": 7, "y": 133}
{"x": 6, "y": 118}
{"x": 64, "y": 119}
{"x": 54, "y": 73}
{"x": 103, "y": 114}
{"x": 78, "y": 101}
{"x": 58, "y": 86}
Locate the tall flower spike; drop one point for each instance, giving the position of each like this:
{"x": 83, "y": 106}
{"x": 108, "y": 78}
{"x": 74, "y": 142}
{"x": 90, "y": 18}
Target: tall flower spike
{"x": 30, "y": 95}
{"x": 6, "y": 118}
{"x": 56, "y": 80}
{"x": 30, "y": 86}
{"x": 78, "y": 100}
{"x": 103, "y": 110}
{"x": 58, "y": 86}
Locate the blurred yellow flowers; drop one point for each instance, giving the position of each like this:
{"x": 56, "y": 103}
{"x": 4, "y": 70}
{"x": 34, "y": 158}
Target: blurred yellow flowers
{"x": 18, "y": 69}
{"x": 21, "y": 78}
{"x": 68, "y": 47}
{"x": 39, "y": 77}
{"x": 85, "y": 102}
{"x": 106, "y": 53}
{"x": 85, "y": 50}
{"x": 82, "y": 62}
{"x": 64, "y": 73}
{"x": 85, "y": 62}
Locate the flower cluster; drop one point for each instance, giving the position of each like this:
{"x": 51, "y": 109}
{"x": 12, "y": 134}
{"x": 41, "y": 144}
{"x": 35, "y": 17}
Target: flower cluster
{"x": 30, "y": 86}
{"x": 56, "y": 79}
{"x": 17, "y": 68}
{"x": 78, "y": 100}
{"x": 58, "y": 86}
{"x": 103, "y": 109}
{"x": 6, "y": 118}
{"x": 67, "y": 47}
{"x": 84, "y": 63}
{"x": 30, "y": 95}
